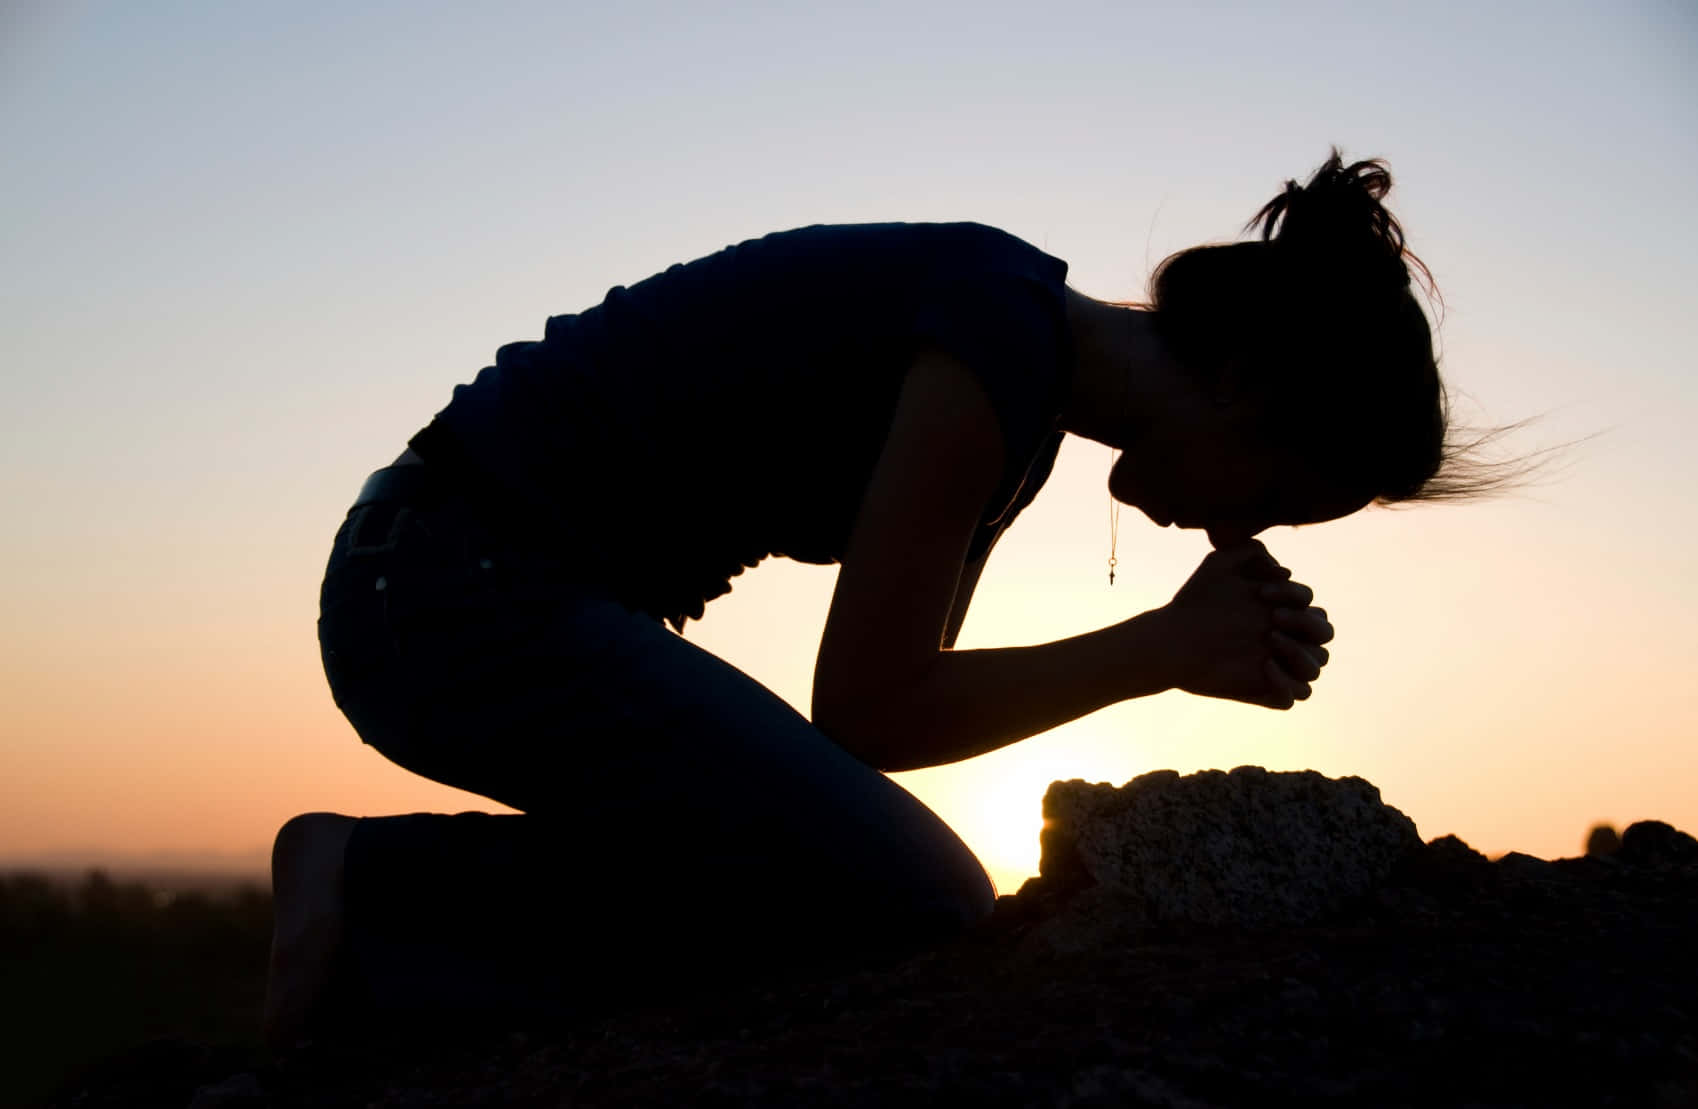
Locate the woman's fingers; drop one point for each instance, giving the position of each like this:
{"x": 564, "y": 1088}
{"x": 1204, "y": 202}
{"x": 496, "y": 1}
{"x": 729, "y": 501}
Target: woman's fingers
{"x": 1307, "y": 624}
{"x": 1251, "y": 560}
{"x": 1288, "y": 594}
{"x": 1285, "y": 689}
{"x": 1260, "y": 635}
{"x": 1297, "y": 659}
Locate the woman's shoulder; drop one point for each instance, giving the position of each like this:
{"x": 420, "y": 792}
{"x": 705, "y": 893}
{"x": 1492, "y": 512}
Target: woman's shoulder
{"x": 962, "y": 234}
{"x": 903, "y": 256}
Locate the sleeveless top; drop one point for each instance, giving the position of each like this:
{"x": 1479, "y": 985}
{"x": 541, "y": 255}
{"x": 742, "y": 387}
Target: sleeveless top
{"x": 733, "y": 407}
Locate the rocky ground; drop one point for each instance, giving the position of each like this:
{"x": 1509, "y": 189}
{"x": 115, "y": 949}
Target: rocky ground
{"x": 1447, "y": 980}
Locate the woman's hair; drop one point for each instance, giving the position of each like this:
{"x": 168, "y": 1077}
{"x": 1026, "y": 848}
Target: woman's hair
{"x": 1318, "y": 318}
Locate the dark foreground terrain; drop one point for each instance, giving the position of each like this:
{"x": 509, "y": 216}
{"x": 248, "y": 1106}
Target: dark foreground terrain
{"x": 1457, "y": 982}
{"x": 91, "y": 965}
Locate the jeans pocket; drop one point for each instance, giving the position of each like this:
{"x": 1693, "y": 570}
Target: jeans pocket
{"x": 357, "y": 651}
{"x": 357, "y": 647}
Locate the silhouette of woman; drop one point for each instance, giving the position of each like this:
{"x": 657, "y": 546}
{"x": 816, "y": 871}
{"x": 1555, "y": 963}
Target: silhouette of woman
{"x": 888, "y": 397}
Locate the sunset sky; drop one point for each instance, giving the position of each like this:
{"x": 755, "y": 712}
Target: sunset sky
{"x": 249, "y": 249}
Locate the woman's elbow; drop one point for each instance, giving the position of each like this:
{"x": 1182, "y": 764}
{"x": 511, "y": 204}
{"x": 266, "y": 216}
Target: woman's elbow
{"x": 849, "y": 730}
{"x": 863, "y": 731}
{"x": 881, "y": 717}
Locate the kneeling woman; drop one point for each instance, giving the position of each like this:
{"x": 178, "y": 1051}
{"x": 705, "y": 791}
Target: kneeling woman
{"x": 884, "y": 396}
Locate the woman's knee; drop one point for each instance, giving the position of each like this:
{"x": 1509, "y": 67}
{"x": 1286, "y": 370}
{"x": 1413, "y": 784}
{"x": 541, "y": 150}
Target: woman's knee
{"x": 972, "y": 896}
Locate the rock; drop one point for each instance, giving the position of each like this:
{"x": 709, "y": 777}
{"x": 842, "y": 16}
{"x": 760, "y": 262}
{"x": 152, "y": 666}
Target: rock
{"x": 1447, "y": 864}
{"x": 1602, "y": 841}
{"x": 239, "y": 1090}
{"x": 1452, "y": 853}
{"x": 1115, "y": 1087}
{"x": 1653, "y": 843}
{"x": 1247, "y": 848}
{"x": 1521, "y": 865}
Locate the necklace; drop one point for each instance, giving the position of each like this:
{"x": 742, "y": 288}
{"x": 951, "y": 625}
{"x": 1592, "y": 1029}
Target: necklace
{"x": 1113, "y": 525}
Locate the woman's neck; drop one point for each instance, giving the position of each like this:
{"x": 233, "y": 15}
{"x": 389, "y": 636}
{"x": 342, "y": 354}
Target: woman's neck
{"x": 1113, "y": 346}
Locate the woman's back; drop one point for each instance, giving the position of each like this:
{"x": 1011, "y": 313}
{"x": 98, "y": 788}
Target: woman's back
{"x": 733, "y": 407}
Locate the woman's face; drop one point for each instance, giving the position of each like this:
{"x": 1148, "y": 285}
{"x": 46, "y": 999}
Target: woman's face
{"x": 1203, "y": 469}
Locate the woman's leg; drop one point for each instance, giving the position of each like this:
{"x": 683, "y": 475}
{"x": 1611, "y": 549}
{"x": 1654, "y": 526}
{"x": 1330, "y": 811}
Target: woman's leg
{"x": 675, "y": 807}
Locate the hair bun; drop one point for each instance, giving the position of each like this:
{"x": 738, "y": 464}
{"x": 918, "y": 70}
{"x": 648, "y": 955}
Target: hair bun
{"x": 1338, "y": 223}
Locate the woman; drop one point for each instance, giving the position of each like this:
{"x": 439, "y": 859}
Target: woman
{"x": 889, "y": 397}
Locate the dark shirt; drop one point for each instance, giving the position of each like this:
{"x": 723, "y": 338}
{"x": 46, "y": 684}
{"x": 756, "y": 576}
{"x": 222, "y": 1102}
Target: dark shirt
{"x": 733, "y": 407}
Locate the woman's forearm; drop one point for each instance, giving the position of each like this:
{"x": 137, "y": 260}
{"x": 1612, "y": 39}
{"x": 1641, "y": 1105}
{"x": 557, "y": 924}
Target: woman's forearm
{"x": 970, "y": 702}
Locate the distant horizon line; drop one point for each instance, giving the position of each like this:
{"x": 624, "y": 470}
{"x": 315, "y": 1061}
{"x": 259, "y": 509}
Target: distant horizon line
{"x": 256, "y": 861}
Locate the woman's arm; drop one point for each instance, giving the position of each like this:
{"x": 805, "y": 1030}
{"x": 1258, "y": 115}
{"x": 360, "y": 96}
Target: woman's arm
{"x": 964, "y": 588}
{"x": 888, "y": 690}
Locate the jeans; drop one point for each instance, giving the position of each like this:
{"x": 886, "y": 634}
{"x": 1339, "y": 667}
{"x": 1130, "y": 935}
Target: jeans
{"x": 679, "y": 821}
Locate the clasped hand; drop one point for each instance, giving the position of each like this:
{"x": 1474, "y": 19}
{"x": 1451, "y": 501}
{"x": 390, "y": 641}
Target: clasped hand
{"x": 1244, "y": 631}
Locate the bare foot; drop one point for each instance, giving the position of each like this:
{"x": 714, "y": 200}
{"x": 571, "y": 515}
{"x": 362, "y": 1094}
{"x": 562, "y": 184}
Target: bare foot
{"x": 306, "y": 884}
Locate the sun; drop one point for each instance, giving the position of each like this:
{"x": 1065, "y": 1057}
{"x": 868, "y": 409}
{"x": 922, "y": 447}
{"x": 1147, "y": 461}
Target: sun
{"x": 1002, "y": 821}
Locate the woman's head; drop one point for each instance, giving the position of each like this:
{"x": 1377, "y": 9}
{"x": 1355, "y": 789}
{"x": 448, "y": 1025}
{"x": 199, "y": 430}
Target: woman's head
{"x": 1318, "y": 321}
{"x": 1313, "y": 335}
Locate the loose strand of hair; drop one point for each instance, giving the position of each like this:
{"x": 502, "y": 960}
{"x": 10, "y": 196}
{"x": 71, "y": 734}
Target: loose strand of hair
{"x": 1471, "y": 469}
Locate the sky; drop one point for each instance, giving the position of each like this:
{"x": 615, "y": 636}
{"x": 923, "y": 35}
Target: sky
{"x": 247, "y": 250}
